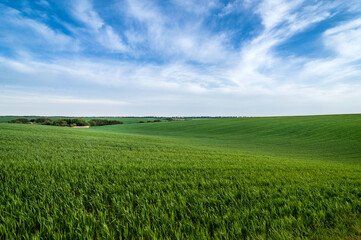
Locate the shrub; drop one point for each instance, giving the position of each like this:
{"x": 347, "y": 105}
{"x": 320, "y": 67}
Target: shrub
{"x": 43, "y": 120}
{"x": 48, "y": 122}
{"x": 61, "y": 122}
{"x": 70, "y": 122}
{"x": 103, "y": 122}
{"x": 77, "y": 121}
{"x": 157, "y": 120}
{"x": 20, "y": 120}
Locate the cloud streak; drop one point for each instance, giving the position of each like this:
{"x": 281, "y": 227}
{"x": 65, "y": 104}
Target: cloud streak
{"x": 103, "y": 33}
{"x": 17, "y": 29}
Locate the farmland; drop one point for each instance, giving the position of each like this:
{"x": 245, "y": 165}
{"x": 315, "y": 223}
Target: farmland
{"x": 257, "y": 178}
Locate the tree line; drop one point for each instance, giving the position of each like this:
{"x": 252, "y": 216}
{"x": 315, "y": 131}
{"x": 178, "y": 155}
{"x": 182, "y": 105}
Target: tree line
{"x": 66, "y": 122}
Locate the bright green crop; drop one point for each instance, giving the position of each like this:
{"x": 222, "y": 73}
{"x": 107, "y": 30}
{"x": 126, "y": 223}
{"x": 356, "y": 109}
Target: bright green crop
{"x": 255, "y": 178}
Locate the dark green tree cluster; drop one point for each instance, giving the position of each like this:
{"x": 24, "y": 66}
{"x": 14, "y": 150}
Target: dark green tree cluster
{"x": 42, "y": 120}
{"x": 149, "y": 121}
{"x": 103, "y": 122}
{"x": 64, "y": 122}
{"x": 20, "y": 120}
{"x": 70, "y": 122}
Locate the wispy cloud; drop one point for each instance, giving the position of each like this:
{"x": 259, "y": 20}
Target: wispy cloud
{"x": 344, "y": 39}
{"x": 345, "y": 63}
{"x": 260, "y": 64}
{"x": 17, "y": 28}
{"x": 43, "y": 3}
{"x": 57, "y": 100}
{"x": 201, "y": 7}
{"x": 171, "y": 39}
{"x": 102, "y": 32}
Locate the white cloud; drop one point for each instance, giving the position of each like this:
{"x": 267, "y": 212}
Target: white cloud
{"x": 43, "y": 3}
{"x": 30, "y": 103}
{"x": 200, "y": 7}
{"x": 20, "y": 29}
{"x": 104, "y": 33}
{"x": 345, "y": 39}
{"x": 274, "y": 12}
{"x": 259, "y": 64}
{"x": 188, "y": 41}
{"x": 236, "y": 6}
{"x": 35, "y": 99}
{"x": 84, "y": 11}
{"x": 15, "y": 65}
{"x": 54, "y": 38}
{"x": 175, "y": 89}
{"x": 344, "y": 64}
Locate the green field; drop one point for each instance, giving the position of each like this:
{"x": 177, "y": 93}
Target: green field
{"x": 240, "y": 178}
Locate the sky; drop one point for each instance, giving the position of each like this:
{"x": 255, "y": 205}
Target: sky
{"x": 180, "y": 57}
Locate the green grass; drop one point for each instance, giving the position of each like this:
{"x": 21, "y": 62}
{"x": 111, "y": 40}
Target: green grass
{"x": 256, "y": 178}
{"x": 312, "y": 137}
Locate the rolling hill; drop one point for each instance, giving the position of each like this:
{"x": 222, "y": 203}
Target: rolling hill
{"x": 242, "y": 178}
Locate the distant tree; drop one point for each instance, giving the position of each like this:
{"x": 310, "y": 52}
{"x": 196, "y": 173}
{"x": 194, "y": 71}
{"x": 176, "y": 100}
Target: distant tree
{"x": 77, "y": 121}
{"x": 42, "y": 120}
{"x": 70, "y": 122}
{"x": 103, "y": 122}
{"x": 60, "y": 122}
{"x": 47, "y": 122}
{"x": 20, "y": 120}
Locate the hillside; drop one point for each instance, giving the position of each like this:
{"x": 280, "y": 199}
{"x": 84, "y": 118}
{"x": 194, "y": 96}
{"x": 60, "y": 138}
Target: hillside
{"x": 326, "y": 137}
{"x": 251, "y": 178}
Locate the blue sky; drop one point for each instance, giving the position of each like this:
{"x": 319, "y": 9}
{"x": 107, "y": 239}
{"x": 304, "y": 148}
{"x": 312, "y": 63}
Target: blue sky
{"x": 180, "y": 57}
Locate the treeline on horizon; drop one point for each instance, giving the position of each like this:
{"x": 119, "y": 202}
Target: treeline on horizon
{"x": 157, "y": 117}
{"x": 66, "y": 122}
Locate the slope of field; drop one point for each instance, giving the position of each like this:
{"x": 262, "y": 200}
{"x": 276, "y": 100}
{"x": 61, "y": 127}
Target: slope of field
{"x": 312, "y": 137}
{"x": 165, "y": 180}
